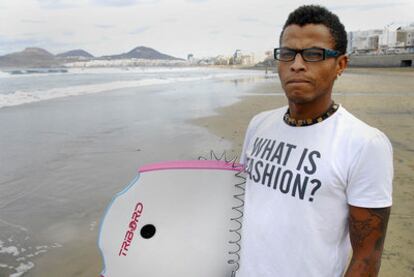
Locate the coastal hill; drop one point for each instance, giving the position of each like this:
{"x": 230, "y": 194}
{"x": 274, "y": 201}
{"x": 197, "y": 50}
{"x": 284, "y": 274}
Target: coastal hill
{"x": 75, "y": 54}
{"x": 29, "y": 57}
{"x": 142, "y": 52}
{"x": 38, "y": 57}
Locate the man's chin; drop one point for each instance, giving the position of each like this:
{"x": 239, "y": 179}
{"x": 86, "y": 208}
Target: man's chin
{"x": 299, "y": 98}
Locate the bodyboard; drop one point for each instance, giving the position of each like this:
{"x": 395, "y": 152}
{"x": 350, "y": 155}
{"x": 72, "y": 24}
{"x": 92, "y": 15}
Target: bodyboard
{"x": 175, "y": 219}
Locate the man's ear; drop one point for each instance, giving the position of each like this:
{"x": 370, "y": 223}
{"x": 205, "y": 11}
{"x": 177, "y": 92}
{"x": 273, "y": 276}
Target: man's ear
{"x": 342, "y": 64}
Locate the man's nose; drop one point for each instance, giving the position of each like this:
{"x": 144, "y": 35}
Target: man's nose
{"x": 298, "y": 63}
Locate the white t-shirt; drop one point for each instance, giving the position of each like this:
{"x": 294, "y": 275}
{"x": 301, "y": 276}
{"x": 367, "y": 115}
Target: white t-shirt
{"x": 300, "y": 181}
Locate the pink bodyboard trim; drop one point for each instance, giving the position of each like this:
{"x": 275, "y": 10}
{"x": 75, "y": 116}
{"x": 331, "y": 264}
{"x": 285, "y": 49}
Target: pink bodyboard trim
{"x": 195, "y": 164}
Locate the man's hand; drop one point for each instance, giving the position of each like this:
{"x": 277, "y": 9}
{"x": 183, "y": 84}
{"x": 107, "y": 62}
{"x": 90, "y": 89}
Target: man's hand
{"x": 367, "y": 228}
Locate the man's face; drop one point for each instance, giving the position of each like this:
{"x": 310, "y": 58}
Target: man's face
{"x": 309, "y": 82}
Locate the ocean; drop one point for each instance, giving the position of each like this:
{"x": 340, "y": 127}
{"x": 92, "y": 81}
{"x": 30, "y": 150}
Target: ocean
{"x": 17, "y": 89}
{"x": 70, "y": 141}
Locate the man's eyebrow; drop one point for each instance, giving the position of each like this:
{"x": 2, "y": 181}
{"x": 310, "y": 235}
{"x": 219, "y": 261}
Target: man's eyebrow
{"x": 294, "y": 48}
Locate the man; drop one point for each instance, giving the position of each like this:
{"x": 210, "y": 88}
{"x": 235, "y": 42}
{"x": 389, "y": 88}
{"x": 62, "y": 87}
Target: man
{"x": 319, "y": 181}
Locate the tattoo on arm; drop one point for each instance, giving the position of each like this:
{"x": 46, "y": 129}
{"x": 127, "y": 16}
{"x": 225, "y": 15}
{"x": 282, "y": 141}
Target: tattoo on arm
{"x": 361, "y": 227}
{"x": 367, "y": 228}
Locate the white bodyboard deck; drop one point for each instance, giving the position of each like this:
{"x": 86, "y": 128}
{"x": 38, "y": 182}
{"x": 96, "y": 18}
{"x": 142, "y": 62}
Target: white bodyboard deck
{"x": 174, "y": 220}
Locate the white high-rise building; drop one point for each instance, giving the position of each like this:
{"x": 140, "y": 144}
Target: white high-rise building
{"x": 392, "y": 39}
{"x": 363, "y": 40}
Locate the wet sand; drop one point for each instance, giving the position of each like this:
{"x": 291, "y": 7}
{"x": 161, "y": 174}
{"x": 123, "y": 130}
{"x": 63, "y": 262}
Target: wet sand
{"x": 63, "y": 160}
{"x": 384, "y": 98}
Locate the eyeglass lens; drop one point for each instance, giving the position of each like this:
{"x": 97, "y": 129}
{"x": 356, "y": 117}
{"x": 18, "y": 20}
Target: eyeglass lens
{"x": 309, "y": 55}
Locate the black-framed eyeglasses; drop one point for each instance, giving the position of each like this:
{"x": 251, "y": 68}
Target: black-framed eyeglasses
{"x": 313, "y": 54}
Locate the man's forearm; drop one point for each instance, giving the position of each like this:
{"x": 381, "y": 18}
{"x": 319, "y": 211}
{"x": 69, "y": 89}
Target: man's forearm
{"x": 363, "y": 267}
{"x": 367, "y": 228}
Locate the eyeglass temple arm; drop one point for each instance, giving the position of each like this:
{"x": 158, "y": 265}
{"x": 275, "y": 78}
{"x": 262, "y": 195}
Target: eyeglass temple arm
{"x": 331, "y": 53}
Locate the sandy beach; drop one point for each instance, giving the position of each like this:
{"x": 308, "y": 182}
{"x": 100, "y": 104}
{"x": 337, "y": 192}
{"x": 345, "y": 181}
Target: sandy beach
{"x": 384, "y": 98}
{"x": 64, "y": 159}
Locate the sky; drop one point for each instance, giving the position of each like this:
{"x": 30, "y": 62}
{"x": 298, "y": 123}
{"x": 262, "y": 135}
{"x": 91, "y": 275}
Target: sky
{"x": 174, "y": 27}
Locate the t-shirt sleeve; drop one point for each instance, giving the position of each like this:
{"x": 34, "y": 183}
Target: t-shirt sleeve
{"x": 371, "y": 174}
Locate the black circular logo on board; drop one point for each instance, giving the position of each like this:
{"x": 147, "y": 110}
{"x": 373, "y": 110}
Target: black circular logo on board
{"x": 148, "y": 231}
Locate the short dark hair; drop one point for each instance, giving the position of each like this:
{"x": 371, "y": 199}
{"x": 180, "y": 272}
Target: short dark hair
{"x": 315, "y": 14}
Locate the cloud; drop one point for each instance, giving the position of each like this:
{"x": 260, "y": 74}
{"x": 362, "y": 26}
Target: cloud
{"x": 66, "y": 4}
{"x": 139, "y": 30}
{"x": 122, "y": 3}
{"x": 248, "y": 19}
{"x": 215, "y": 32}
{"x": 170, "y": 20}
{"x": 104, "y": 26}
{"x": 365, "y": 7}
{"x": 68, "y": 33}
{"x": 247, "y": 36}
{"x": 10, "y": 45}
{"x": 198, "y": 1}
{"x": 61, "y": 4}
{"x": 28, "y": 35}
{"x": 32, "y": 21}
{"x": 258, "y": 21}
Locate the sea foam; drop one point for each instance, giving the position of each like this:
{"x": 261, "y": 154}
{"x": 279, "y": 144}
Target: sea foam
{"x": 24, "y": 97}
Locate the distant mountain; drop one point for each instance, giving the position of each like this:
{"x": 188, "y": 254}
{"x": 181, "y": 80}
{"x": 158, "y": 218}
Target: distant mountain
{"x": 38, "y": 57}
{"x": 142, "y": 52}
{"x": 75, "y": 54}
{"x": 29, "y": 57}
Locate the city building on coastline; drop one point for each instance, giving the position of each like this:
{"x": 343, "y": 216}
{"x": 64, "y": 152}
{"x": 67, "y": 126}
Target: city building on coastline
{"x": 239, "y": 57}
{"x": 131, "y": 62}
{"x": 243, "y": 58}
{"x": 392, "y": 46}
{"x": 392, "y": 39}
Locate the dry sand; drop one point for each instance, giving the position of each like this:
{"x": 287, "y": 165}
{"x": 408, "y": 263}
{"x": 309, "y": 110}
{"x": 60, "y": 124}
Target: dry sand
{"x": 384, "y": 98}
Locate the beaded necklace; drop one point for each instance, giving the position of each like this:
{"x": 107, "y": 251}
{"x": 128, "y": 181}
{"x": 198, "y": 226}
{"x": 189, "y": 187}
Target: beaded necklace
{"x": 310, "y": 121}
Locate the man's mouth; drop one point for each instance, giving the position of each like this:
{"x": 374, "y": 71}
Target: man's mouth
{"x": 297, "y": 81}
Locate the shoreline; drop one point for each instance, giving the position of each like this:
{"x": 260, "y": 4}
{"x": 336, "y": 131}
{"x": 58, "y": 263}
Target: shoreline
{"x": 385, "y": 100}
{"x": 65, "y": 159}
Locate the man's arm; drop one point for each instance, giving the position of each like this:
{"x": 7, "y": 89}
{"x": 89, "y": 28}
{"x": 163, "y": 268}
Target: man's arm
{"x": 367, "y": 228}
